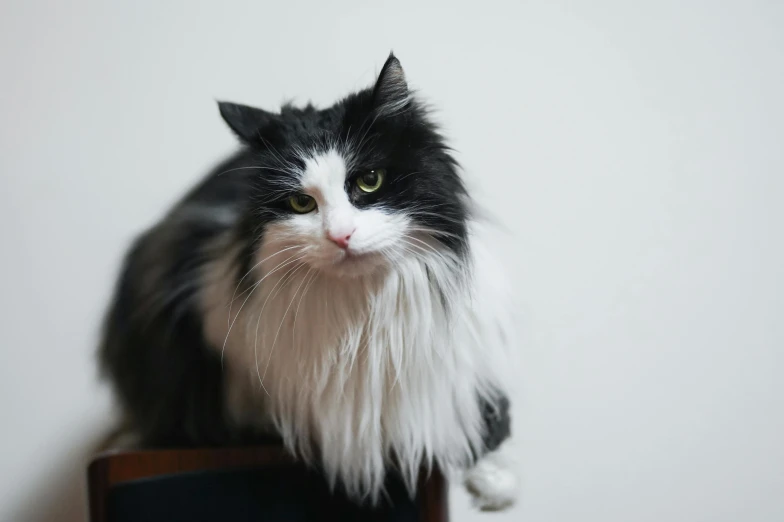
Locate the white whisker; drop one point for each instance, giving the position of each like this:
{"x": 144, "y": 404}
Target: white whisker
{"x": 283, "y": 281}
{"x": 272, "y": 348}
{"x": 256, "y": 285}
{"x": 251, "y": 270}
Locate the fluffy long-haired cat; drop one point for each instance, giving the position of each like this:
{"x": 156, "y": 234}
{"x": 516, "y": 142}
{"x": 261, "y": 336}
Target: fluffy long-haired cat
{"x": 329, "y": 284}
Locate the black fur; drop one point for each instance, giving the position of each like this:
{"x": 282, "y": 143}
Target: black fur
{"x": 167, "y": 378}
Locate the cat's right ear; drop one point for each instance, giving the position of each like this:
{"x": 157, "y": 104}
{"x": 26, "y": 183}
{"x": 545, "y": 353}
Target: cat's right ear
{"x": 391, "y": 94}
{"x": 248, "y": 123}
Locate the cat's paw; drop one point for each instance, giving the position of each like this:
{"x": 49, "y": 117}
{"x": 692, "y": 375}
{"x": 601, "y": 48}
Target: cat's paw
{"x": 492, "y": 483}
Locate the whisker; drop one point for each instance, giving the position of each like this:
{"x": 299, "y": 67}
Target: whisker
{"x": 255, "y": 286}
{"x": 433, "y": 232}
{"x": 283, "y": 280}
{"x": 256, "y": 167}
{"x": 362, "y": 139}
{"x": 272, "y": 270}
{"x": 401, "y": 178}
{"x": 251, "y": 270}
{"x": 276, "y": 154}
{"x": 307, "y": 287}
{"x": 428, "y": 245}
{"x": 282, "y": 320}
{"x": 450, "y": 261}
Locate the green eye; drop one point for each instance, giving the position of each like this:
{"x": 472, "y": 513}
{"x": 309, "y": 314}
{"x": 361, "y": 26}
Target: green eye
{"x": 302, "y": 203}
{"x": 371, "y": 181}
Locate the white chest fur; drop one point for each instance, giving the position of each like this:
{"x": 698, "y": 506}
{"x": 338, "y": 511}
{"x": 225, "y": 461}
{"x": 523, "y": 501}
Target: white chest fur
{"x": 360, "y": 371}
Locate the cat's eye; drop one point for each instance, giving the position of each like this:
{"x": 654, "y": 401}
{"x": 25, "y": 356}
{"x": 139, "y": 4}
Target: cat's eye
{"x": 302, "y": 203}
{"x": 371, "y": 181}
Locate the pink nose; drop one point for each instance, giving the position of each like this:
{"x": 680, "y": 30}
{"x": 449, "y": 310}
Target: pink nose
{"x": 340, "y": 239}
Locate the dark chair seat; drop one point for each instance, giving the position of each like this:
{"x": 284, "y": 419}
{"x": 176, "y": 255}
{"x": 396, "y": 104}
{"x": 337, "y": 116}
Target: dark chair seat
{"x": 240, "y": 485}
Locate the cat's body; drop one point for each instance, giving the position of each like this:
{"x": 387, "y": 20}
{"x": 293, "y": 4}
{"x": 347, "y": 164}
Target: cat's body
{"x": 328, "y": 285}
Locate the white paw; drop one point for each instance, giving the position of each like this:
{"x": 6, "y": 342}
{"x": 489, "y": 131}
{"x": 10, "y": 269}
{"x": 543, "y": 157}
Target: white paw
{"x": 493, "y": 485}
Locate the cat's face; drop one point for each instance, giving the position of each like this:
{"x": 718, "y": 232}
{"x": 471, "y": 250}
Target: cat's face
{"x": 339, "y": 219}
{"x": 355, "y": 187}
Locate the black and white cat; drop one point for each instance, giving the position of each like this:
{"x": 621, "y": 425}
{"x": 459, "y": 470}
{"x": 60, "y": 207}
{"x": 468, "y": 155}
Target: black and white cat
{"x": 328, "y": 284}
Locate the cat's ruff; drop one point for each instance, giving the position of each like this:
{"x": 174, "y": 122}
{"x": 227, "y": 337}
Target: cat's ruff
{"x": 364, "y": 368}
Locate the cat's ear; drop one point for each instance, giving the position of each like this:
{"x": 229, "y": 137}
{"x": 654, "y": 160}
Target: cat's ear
{"x": 248, "y": 123}
{"x": 391, "y": 94}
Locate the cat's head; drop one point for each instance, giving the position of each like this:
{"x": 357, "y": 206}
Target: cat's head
{"x": 356, "y": 186}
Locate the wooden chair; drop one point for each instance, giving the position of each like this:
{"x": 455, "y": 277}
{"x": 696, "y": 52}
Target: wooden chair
{"x": 239, "y": 485}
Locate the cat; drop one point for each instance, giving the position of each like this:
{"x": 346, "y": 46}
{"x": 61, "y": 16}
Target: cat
{"x": 329, "y": 285}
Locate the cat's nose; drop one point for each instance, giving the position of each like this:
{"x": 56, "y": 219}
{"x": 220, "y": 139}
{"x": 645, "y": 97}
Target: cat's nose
{"x": 340, "y": 238}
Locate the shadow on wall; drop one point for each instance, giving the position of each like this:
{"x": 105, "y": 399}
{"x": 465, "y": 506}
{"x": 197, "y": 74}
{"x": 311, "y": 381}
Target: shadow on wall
{"x": 61, "y": 494}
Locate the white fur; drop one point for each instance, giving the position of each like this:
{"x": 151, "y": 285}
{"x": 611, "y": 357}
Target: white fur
{"x": 493, "y": 482}
{"x": 352, "y": 354}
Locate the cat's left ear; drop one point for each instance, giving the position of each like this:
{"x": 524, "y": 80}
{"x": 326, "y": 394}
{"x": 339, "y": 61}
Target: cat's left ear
{"x": 248, "y": 123}
{"x": 391, "y": 94}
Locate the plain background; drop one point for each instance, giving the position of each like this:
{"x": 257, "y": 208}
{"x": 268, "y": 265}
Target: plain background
{"x": 633, "y": 149}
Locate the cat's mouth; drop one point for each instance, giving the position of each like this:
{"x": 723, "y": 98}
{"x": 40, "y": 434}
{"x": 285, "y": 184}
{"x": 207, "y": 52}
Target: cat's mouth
{"x": 356, "y": 263}
{"x": 349, "y": 256}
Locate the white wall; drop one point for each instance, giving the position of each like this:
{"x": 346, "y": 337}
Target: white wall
{"x": 635, "y": 151}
